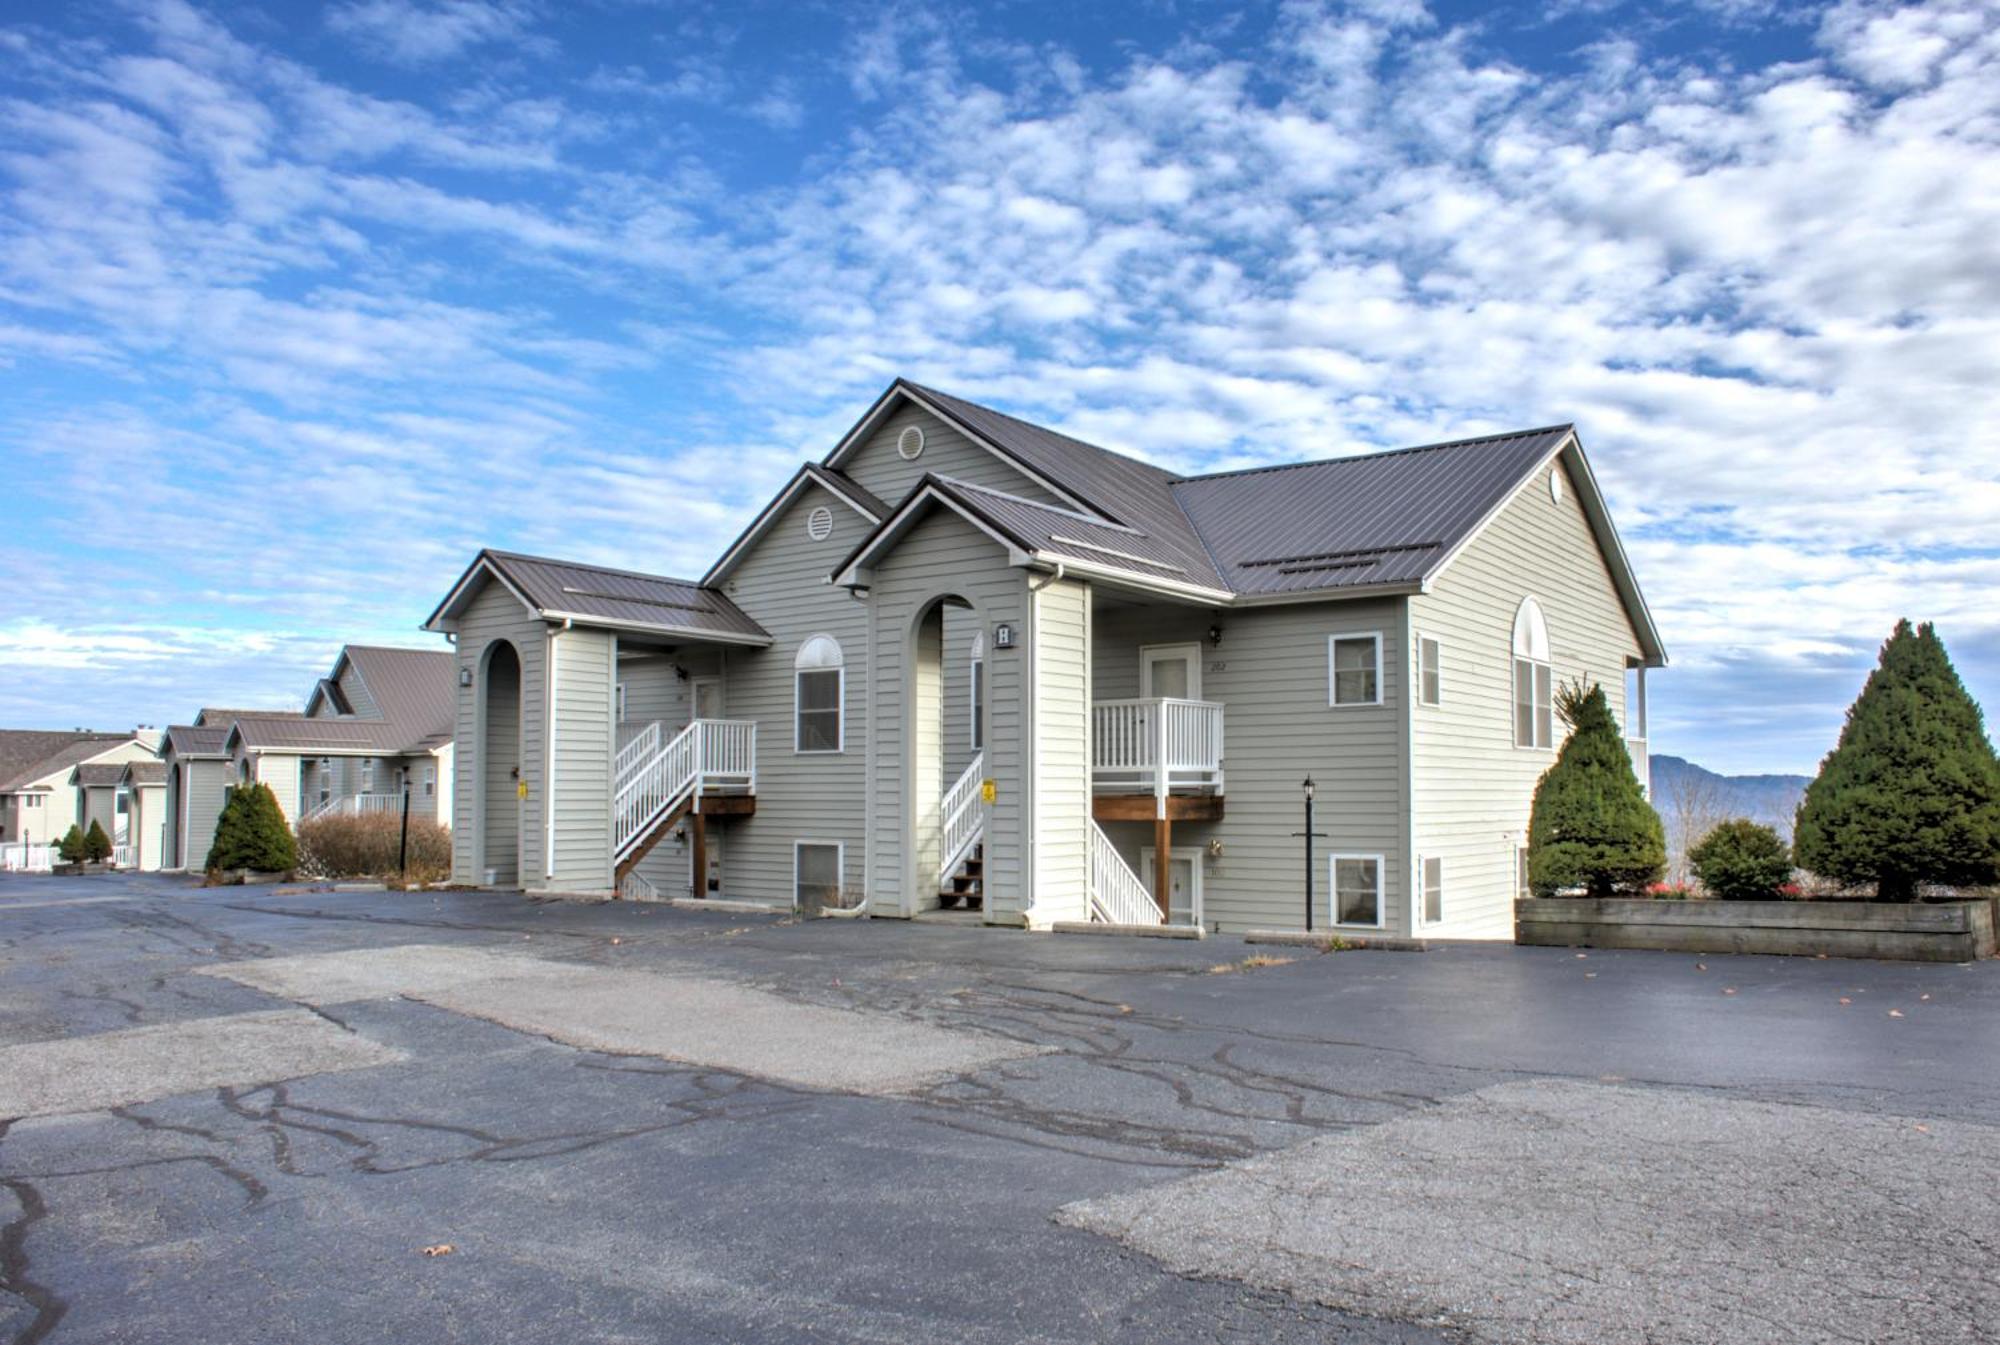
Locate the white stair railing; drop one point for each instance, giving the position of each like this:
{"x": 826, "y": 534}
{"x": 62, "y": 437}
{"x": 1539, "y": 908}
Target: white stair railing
{"x": 709, "y": 752}
{"x": 636, "y": 887}
{"x": 644, "y": 746}
{"x": 1117, "y": 896}
{"x": 964, "y": 814}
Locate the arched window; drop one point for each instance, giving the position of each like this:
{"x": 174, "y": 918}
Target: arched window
{"x": 819, "y": 692}
{"x": 978, "y": 691}
{"x": 1534, "y": 687}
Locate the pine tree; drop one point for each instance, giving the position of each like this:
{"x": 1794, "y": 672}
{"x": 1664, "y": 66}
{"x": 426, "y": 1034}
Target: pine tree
{"x": 252, "y": 833}
{"x": 96, "y": 845}
{"x": 1591, "y": 826}
{"x": 1911, "y": 795}
{"x": 70, "y": 848}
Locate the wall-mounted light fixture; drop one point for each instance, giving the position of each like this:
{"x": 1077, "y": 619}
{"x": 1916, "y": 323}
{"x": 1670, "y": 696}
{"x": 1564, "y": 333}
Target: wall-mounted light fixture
{"x": 465, "y": 677}
{"x": 1215, "y": 634}
{"x": 680, "y": 672}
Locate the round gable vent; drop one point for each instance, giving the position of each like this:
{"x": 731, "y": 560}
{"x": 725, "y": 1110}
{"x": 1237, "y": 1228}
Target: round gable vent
{"x": 910, "y": 442}
{"x": 819, "y": 524}
{"x": 1556, "y": 484}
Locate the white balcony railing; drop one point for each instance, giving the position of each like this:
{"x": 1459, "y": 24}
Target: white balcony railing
{"x": 124, "y": 856}
{"x": 1159, "y": 746}
{"x": 1117, "y": 895}
{"x": 25, "y": 857}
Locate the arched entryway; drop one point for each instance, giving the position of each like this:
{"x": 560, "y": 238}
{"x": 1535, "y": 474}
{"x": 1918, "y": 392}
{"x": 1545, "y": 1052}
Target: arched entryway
{"x": 500, "y": 765}
{"x": 945, "y": 728}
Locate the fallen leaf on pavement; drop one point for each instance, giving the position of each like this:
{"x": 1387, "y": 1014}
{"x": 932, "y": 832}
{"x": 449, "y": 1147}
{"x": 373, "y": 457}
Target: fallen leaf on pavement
{"x": 1701, "y": 966}
{"x": 1923, "y": 996}
{"x": 1923, "y": 1129}
{"x": 440, "y": 1249}
{"x": 1845, "y": 1000}
{"x": 1729, "y": 990}
{"x": 1895, "y": 1013}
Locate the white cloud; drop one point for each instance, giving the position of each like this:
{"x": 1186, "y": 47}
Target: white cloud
{"x": 413, "y": 32}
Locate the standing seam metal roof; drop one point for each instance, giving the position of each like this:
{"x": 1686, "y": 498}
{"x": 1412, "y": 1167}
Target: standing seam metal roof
{"x": 677, "y": 607}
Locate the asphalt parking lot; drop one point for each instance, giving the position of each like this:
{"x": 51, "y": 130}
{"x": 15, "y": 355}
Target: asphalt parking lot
{"x": 244, "y": 1114}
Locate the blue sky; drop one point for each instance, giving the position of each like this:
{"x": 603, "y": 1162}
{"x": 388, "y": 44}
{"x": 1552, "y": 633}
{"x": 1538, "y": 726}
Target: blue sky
{"x": 302, "y": 304}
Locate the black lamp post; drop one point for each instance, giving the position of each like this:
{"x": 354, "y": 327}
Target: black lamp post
{"x": 1308, "y": 787}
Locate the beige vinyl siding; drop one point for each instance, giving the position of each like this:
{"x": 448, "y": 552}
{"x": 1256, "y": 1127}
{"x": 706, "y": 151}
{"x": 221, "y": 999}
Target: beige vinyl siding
{"x": 279, "y": 770}
{"x": 196, "y": 811}
{"x": 582, "y": 664}
{"x": 782, "y": 584}
{"x": 881, "y": 470}
{"x": 1270, "y": 674}
{"x": 1472, "y": 787}
{"x": 148, "y": 824}
{"x": 944, "y": 555}
{"x": 1059, "y": 838}
{"x": 495, "y": 614}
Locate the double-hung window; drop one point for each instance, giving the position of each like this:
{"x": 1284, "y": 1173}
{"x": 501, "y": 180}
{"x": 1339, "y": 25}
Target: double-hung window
{"x": 1357, "y": 889}
{"x": 1430, "y": 872}
{"x": 1534, "y": 681}
{"x": 819, "y": 692}
{"x": 1354, "y": 669}
{"x": 430, "y": 781}
{"x": 1430, "y": 672}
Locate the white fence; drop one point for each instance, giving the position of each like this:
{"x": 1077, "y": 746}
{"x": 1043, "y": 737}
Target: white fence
{"x": 353, "y": 805}
{"x": 22, "y": 857}
{"x": 1156, "y": 746}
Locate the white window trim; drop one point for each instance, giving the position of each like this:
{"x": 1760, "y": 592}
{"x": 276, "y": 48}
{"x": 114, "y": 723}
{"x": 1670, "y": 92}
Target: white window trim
{"x": 840, "y": 710}
{"x": 1437, "y": 644}
{"x": 1332, "y": 678}
{"x": 1333, "y": 890}
{"x": 975, "y": 691}
{"x": 430, "y": 781}
{"x": 1191, "y": 651}
{"x": 1534, "y": 705}
{"x": 840, "y": 862}
{"x": 1422, "y": 919}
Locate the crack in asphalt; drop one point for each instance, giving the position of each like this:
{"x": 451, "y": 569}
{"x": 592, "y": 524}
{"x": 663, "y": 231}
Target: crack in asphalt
{"x": 47, "y": 1306}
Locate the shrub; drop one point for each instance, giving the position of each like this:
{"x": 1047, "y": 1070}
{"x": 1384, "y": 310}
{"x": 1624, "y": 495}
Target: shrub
{"x": 252, "y": 834}
{"x": 1591, "y": 826}
{"x": 1911, "y": 795}
{"x": 96, "y": 845}
{"x": 70, "y": 849}
{"x": 1742, "y": 860}
{"x": 364, "y": 846}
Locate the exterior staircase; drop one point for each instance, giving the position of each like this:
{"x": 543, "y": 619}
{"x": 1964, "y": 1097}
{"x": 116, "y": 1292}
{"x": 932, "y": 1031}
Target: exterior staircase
{"x": 962, "y": 837}
{"x": 657, "y": 781}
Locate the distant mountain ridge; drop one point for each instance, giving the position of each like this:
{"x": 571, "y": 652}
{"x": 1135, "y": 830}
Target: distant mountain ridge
{"x": 1771, "y": 799}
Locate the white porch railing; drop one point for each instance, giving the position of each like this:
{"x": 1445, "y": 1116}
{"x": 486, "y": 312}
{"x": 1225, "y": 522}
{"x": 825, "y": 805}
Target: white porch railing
{"x": 1117, "y": 896}
{"x": 707, "y": 754}
{"x": 124, "y": 856}
{"x": 353, "y": 805}
{"x": 964, "y": 814}
{"x": 1158, "y": 746}
{"x": 25, "y": 857}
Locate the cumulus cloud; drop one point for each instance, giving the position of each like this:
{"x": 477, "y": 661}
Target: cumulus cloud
{"x": 601, "y": 308}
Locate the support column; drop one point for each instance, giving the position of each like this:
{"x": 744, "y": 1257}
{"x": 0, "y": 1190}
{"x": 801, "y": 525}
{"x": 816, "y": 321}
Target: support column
{"x": 1163, "y": 862}
{"x": 698, "y": 828}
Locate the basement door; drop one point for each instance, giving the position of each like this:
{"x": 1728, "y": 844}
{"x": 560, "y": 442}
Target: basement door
{"x": 1183, "y": 882}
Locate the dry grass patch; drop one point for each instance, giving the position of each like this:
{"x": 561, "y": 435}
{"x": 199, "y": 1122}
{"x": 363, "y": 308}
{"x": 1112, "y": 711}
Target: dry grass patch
{"x": 1254, "y": 962}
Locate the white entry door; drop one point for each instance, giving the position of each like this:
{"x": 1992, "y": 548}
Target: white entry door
{"x": 707, "y": 698}
{"x": 1170, "y": 670}
{"x": 1183, "y": 883}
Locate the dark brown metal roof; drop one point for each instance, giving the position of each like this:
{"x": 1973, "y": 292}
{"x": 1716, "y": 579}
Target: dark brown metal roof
{"x": 1122, "y": 489}
{"x": 196, "y": 740}
{"x": 561, "y": 589}
{"x": 414, "y": 689}
{"x": 145, "y": 772}
{"x": 1379, "y": 518}
{"x": 98, "y": 774}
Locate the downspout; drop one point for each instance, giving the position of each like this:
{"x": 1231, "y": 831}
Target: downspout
{"x": 549, "y": 769}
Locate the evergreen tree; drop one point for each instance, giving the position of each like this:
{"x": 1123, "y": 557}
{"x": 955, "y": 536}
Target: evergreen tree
{"x": 70, "y": 848}
{"x": 1591, "y": 826}
{"x": 1911, "y": 795}
{"x": 1741, "y": 860}
{"x": 252, "y": 834}
{"x": 96, "y": 845}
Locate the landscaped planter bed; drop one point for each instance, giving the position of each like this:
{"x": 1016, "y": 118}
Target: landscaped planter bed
{"x": 1942, "y": 931}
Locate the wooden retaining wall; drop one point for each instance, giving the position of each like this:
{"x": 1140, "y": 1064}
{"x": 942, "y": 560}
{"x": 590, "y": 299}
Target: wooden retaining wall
{"x": 1951, "y": 931}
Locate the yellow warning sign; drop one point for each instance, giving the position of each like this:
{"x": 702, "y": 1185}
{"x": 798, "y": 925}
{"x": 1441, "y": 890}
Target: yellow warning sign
{"x": 988, "y": 791}
{"x": 521, "y": 790}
